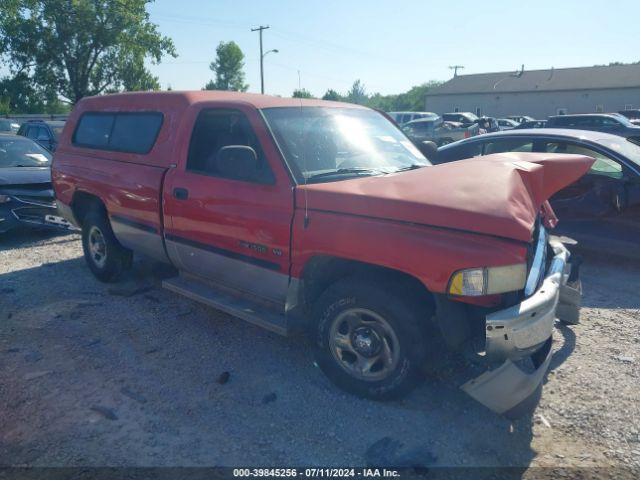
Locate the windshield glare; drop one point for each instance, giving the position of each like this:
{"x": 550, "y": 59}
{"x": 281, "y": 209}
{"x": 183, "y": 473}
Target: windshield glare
{"x": 20, "y": 152}
{"x": 318, "y": 141}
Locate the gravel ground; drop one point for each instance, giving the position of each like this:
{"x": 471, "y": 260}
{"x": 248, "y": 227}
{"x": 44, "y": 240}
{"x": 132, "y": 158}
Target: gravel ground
{"x": 133, "y": 375}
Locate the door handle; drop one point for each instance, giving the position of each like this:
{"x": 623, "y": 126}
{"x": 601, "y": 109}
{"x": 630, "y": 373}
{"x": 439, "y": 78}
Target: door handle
{"x": 181, "y": 193}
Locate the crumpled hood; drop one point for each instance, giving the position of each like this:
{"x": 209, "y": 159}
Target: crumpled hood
{"x": 499, "y": 194}
{"x": 24, "y": 175}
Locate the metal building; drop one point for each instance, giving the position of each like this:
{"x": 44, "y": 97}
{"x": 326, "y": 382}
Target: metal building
{"x": 540, "y": 93}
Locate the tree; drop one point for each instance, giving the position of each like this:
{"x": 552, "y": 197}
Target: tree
{"x": 357, "y": 94}
{"x": 18, "y": 94}
{"x": 331, "y": 94}
{"x": 412, "y": 100}
{"x": 82, "y": 47}
{"x": 228, "y": 67}
{"x": 302, "y": 93}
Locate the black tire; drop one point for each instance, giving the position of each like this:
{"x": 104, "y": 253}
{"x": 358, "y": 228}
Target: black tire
{"x": 115, "y": 259}
{"x": 406, "y": 319}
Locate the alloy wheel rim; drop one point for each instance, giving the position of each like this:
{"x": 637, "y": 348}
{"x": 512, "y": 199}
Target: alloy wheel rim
{"x": 363, "y": 343}
{"x": 97, "y": 247}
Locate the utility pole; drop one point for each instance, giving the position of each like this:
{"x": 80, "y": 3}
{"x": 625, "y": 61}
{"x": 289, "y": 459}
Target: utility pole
{"x": 455, "y": 69}
{"x": 259, "y": 30}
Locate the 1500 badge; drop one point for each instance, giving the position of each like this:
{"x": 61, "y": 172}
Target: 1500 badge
{"x": 256, "y": 247}
{"x": 253, "y": 246}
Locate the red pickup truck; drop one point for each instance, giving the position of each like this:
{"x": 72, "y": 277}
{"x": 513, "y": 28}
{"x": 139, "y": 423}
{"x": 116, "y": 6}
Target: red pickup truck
{"x": 322, "y": 217}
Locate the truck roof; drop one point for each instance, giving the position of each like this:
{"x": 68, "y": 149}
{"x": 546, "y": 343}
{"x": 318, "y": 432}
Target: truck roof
{"x": 186, "y": 97}
{"x": 173, "y": 105}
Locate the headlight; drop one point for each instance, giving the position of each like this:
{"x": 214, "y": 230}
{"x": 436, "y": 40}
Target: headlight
{"x": 475, "y": 282}
{"x": 5, "y": 198}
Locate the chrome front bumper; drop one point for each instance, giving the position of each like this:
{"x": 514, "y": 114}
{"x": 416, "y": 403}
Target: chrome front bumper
{"x": 525, "y": 330}
{"x": 518, "y": 331}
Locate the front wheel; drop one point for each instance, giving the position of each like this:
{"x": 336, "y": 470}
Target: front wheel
{"x": 106, "y": 258}
{"x": 370, "y": 340}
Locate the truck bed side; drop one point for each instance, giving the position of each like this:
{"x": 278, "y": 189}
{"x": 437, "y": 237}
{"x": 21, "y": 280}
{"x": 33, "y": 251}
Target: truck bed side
{"x": 131, "y": 194}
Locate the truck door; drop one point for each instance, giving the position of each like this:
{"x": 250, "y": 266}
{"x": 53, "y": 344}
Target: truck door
{"x": 227, "y": 211}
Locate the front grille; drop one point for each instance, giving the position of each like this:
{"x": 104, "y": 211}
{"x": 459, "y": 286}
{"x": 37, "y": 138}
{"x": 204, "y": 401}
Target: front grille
{"x": 531, "y": 247}
{"x": 537, "y": 259}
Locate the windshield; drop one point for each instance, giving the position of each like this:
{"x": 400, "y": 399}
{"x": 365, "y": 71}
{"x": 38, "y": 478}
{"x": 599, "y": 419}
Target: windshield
{"x": 622, "y": 119}
{"x": 328, "y": 144}
{"x": 21, "y": 152}
{"x": 624, "y": 147}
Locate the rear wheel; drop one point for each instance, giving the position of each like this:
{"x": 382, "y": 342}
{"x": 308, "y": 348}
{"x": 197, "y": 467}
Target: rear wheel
{"x": 370, "y": 339}
{"x": 106, "y": 258}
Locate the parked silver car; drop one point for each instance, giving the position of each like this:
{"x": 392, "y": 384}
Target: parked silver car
{"x": 401, "y": 118}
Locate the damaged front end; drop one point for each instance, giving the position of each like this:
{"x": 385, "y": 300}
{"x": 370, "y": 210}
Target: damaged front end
{"x": 517, "y": 340}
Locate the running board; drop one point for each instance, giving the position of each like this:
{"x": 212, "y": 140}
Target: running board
{"x": 236, "y": 306}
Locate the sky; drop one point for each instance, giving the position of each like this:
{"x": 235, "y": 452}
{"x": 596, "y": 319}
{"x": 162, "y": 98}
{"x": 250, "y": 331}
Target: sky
{"x": 391, "y": 45}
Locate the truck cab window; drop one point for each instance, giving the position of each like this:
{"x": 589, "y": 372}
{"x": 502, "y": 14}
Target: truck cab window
{"x": 215, "y": 129}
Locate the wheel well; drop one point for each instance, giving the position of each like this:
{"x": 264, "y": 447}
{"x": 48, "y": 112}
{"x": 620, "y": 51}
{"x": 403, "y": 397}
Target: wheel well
{"x": 83, "y": 203}
{"x": 322, "y": 271}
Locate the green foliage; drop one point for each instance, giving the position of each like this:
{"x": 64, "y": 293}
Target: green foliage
{"x": 76, "y": 48}
{"x": 331, "y": 94}
{"x": 413, "y": 100}
{"x": 617, "y": 64}
{"x": 19, "y": 94}
{"x": 228, "y": 67}
{"x": 357, "y": 93}
{"x": 302, "y": 93}
{"x": 4, "y": 106}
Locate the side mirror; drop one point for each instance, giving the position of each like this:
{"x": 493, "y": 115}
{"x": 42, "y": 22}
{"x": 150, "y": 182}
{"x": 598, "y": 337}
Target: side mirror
{"x": 428, "y": 149}
{"x": 239, "y": 162}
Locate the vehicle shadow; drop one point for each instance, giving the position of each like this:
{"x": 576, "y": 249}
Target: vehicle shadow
{"x": 610, "y": 281}
{"x": 25, "y": 237}
{"x": 567, "y": 348}
{"x": 89, "y": 333}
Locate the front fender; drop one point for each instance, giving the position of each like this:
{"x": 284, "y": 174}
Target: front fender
{"x": 430, "y": 254}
